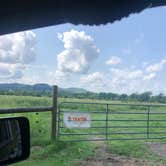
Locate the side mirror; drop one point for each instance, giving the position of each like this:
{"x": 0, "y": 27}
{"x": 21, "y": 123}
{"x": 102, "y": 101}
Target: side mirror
{"x": 14, "y": 140}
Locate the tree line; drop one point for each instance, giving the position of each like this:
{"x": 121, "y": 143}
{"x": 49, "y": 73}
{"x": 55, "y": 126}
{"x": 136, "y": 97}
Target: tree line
{"x": 142, "y": 97}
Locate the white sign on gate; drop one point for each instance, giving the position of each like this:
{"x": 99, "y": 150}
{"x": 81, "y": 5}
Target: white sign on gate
{"x": 77, "y": 120}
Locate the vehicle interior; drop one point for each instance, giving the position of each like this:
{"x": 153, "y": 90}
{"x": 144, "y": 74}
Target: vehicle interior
{"x": 16, "y": 16}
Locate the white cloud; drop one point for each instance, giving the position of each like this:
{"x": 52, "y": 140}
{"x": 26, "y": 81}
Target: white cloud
{"x": 17, "y": 47}
{"x": 150, "y": 76}
{"x": 79, "y": 54}
{"x": 129, "y": 81}
{"x": 92, "y": 77}
{"x": 114, "y": 60}
{"x": 121, "y": 80}
{"x": 61, "y": 76}
{"x": 16, "y": 50}
{"x": 10, "y": 71}
{"x": 94, "y": 81}
{"x": 4, "y": 69}
{"x": 156, "y": 67}
{"x": 126, "y": 74}
{"x": 117, "y": 80}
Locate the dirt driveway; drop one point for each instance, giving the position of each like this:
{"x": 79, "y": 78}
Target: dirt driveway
{"x": 104, "y": 158}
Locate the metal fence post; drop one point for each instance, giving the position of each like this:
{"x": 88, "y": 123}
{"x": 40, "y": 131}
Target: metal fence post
{"x": 106, "y": 129}
{"x": 58, "y": 121}
{"x": 54, "y": 113}
{"x": 148, "y": 118}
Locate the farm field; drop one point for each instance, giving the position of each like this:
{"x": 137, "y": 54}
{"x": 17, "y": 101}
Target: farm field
{"x": 44, "y": 153}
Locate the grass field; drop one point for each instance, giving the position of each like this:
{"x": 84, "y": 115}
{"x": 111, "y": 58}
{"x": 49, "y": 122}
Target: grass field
{"x": 44, "y": 153}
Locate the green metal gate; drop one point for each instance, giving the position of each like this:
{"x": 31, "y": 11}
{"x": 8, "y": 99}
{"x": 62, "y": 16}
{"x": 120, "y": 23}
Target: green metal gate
{"x": 113, "y": 122}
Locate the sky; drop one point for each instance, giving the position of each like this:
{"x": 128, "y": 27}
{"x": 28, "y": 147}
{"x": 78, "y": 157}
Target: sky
{"x": 126, "y": 56}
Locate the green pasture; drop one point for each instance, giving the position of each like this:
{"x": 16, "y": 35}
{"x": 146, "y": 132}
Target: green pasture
{"x": 44, "y": 153}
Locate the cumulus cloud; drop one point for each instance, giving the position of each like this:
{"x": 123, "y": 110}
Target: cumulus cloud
{"x": 94, "y": 81}
{"x": 17, "y": 47}
{"x": 150, "y": 76}
{"x": 92, "y": 77}
{"x": 129, "y": 80}
{"x": 79, "y": 52}
{"x": 10, "y": 71}
{"x": 16, "y": 50}
{"x": 126, "y": 74}
{"x": 156, "y": 67}
{"x": 117, "y": 80}
{"x": 4, "y": 69}
{"x": 122, "y": 80}
{"x": 114, "y": 60}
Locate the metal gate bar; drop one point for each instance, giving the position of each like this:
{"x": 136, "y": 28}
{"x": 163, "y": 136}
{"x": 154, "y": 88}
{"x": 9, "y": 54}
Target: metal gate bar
{"x": 103, "y": 128}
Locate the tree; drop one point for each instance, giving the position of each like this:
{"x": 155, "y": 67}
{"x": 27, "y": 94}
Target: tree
{"x": 146, "y": 96}
{"x": 123, "y": 97}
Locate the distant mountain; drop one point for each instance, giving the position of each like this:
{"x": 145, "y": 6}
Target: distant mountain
{"x": 38, "y": 88}
{"x": 25, "y": 87}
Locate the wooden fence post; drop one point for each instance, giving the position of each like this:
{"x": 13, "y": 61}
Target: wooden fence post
{"x": 54, "y": 113}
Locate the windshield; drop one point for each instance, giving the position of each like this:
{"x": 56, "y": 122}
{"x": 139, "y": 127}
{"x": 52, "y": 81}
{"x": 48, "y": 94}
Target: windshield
{"x": 111, "y": 86}
{"x": 124, "y": 57}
